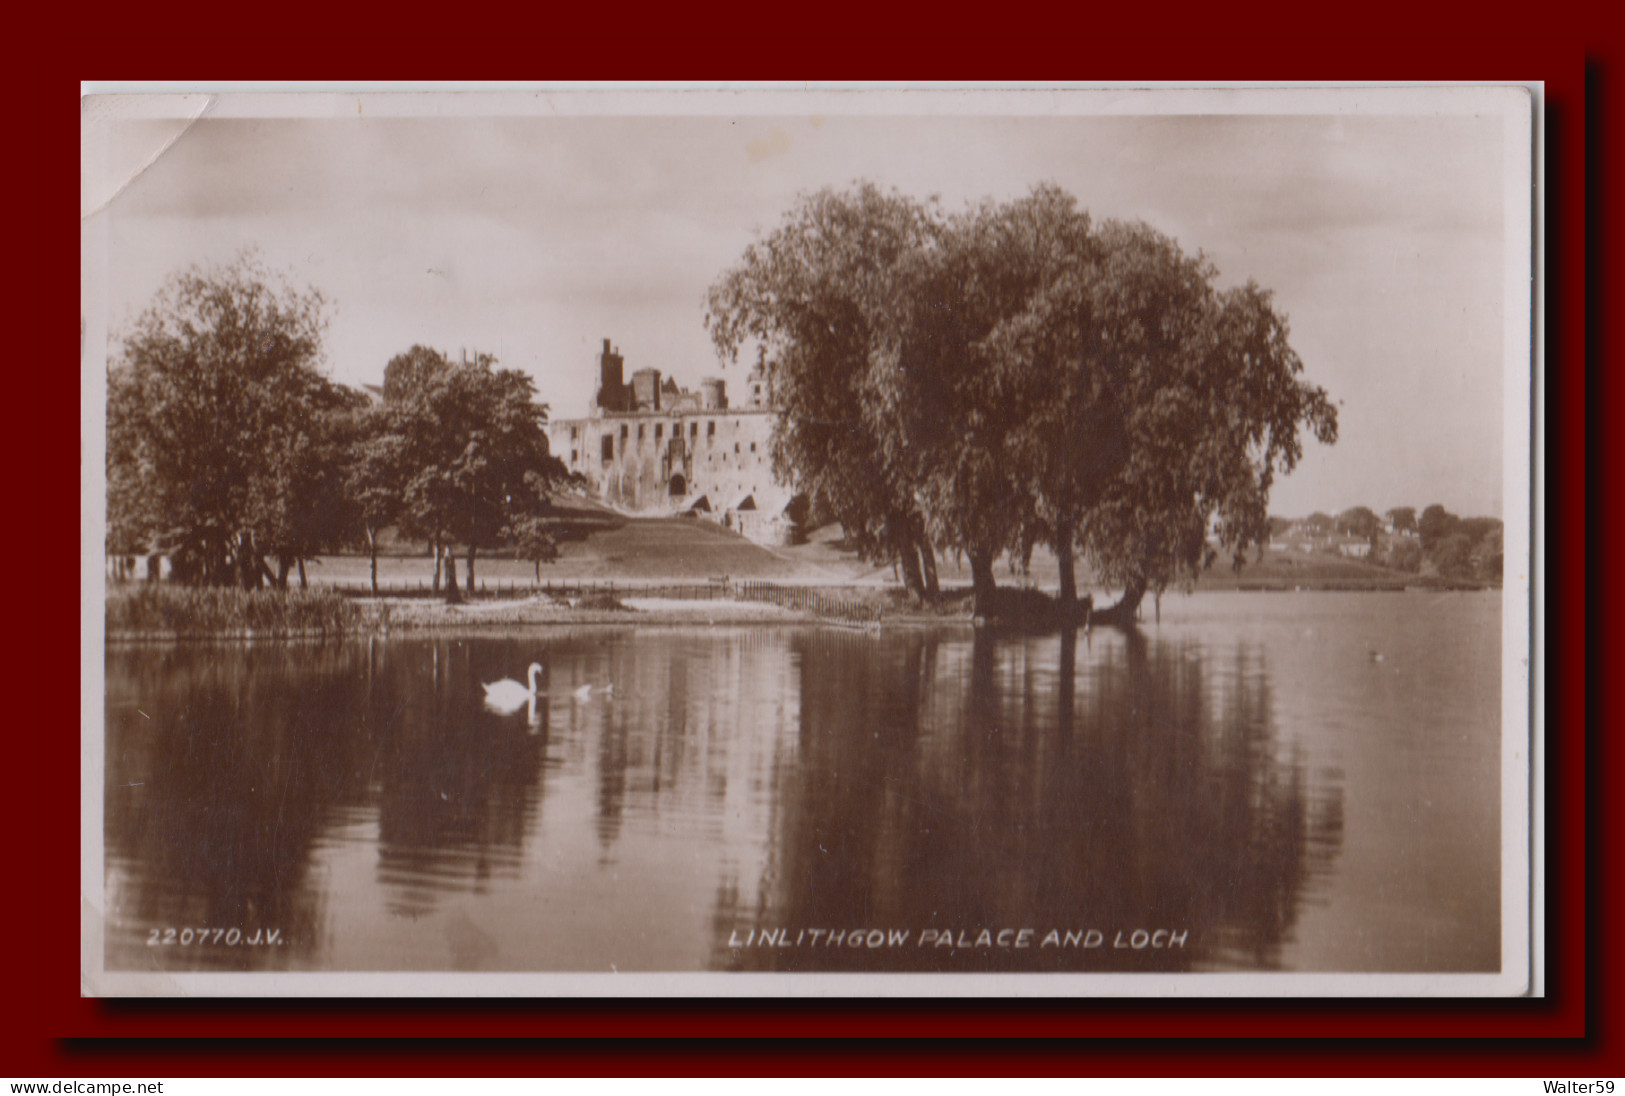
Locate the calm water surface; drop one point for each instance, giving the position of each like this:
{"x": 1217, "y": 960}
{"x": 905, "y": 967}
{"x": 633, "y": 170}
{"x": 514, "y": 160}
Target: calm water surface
{"x": 1248, "y": 779}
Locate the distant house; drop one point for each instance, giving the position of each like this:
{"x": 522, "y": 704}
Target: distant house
{"x": 1303, "y": 536}
{"x": 1300, "y": 536}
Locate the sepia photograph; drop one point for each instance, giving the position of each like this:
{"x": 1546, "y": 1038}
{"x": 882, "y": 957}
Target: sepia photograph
{"x": 866, "y": 541}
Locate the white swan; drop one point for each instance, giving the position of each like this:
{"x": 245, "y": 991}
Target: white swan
{"x": 508, "y": 695}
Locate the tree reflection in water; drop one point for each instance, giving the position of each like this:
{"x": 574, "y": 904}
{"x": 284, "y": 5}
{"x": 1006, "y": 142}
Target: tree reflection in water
{"x": 457, "y": 785}
{"x": 1143, "y": 789}
{"x": 219, "y": 779}
{"x": 801, "y": 779}
{"x": 238, "y": 764}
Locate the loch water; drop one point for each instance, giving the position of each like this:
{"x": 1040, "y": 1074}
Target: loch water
{"x": 1254, "y": 782}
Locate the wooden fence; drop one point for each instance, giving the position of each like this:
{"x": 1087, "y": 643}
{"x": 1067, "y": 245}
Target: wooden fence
{"x": 817, "y": 602}
{"x": 504, "y": 589}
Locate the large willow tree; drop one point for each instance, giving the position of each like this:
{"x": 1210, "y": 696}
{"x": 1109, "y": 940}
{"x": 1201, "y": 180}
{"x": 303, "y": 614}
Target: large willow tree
{"x": 1206, "y": 395}
{"x": 1015, "y": 375}
{"x": 996, "y": 415}
{"x": 819, "y": 299}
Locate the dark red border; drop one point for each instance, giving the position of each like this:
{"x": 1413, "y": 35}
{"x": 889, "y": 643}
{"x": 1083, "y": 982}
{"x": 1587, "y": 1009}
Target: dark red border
{"x": 50, "y": 1031}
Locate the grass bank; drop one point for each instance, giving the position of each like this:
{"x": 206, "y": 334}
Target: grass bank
{"x": 666, "y": 572}
{"x": 744, "y": 602}
{"x": 605, "y": 547}
{"x": 161, "y": 610}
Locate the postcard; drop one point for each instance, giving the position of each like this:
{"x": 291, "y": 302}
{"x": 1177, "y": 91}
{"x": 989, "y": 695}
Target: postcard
{"x": 799, "y": 541}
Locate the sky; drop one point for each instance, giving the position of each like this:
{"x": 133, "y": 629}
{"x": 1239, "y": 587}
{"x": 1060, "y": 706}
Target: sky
{"x": 537, "y": 230}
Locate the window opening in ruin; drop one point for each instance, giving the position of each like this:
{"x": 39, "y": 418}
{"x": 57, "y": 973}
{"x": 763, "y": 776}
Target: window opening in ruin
{"x": 609, "y": 448}
{"x": 659, "y": 429}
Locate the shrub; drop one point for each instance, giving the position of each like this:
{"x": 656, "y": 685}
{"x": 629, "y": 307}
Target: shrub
{"x": 192, "y": 610}
{"x": 1451, "y": 556}
{"x": 1405, "y": 554}
{"x": 601, "y": 601}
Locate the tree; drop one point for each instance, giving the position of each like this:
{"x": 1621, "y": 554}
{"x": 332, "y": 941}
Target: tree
{"x": 534, "y": 541}
{"x": 1452, "y": 555}
{"x": 1012, "y": 376}
{"x": 1210, "y": 404}
{"x": 974, "y": 386}
{"x": 818, "y": 298}
{"x": 1476, "y": 530}
{"x": 1435, "y": 524}
{"x": 1489, "y": 555}
{"x": 410, "y": 379}
{"x": 1404, "y": 554}
{"x": 307, "y": 507}
{"x": 1358, "y": 521}
{"x": 221, "y": 425}
{"x": 1362, "y": 522}
{"x": 135, "y": 525}
{"x": 1402, "y": 518}
{"x": 474, "y": 452}
{"x": 375, "y": 477}
{"x": 1007, "y": 415}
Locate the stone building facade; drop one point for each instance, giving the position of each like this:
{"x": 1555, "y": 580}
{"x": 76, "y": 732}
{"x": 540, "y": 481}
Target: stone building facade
{"x": 648, "y": 446}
